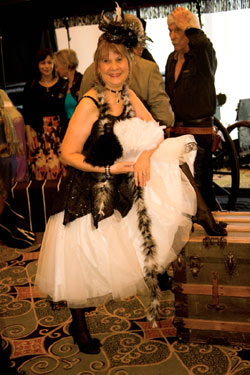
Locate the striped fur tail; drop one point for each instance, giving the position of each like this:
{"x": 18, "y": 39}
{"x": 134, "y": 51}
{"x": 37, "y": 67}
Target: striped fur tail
{"x": 150, "y": 252}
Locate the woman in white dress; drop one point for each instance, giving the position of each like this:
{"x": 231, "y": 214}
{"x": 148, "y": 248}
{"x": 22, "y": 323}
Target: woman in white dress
{"x": 124, "y": 210}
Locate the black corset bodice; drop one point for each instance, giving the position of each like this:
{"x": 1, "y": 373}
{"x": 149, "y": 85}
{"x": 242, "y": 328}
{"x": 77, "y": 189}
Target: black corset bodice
{"x": 82, "y": 192}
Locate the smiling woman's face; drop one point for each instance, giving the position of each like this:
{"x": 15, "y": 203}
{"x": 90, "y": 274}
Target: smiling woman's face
{"x": 46, "y": 66}
{"x": 114, "y": 70}
{"x": 113, "y": 64}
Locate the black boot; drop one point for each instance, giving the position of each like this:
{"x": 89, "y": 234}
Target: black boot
{"x": 165, "y": 281}
{"x": 79, "y": 331}
{"x": 203, "y": 215}
{"x": 203, "y": 173}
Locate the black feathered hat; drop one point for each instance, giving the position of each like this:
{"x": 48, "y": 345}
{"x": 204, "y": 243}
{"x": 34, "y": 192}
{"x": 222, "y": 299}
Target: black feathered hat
{"x": 122, "y": 29}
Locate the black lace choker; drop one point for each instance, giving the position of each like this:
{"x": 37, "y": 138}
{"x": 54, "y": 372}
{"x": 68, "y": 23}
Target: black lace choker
{"x": 117, "y": 100}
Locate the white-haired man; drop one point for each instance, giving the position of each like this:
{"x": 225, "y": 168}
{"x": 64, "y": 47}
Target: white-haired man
{"x": 189, "y": 82}
{"x": 145, "y": 80}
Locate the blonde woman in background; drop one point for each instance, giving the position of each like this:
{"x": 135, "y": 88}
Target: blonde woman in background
{"x": 66, "y": 63}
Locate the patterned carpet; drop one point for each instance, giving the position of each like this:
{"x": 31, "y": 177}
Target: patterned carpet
{"x": 36, "y": 340}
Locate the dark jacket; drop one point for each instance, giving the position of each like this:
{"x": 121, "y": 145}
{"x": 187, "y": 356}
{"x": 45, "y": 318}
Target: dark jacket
{"x": 40, "y": 102}
{"x": 193, "y": 95}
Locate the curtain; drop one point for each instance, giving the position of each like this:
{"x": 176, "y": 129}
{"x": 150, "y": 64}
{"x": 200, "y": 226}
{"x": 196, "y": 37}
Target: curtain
{"x": 21, "y": 37}
{"x": 202, "y": 6}
{"x": 150, "y": 12}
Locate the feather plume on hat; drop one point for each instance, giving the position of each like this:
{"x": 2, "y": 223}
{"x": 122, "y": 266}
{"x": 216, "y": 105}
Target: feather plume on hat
{"x": 117, "y": 29}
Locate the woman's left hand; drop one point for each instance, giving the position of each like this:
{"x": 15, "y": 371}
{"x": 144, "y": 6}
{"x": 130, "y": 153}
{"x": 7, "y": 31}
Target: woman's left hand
{"x": 142, "y": 169}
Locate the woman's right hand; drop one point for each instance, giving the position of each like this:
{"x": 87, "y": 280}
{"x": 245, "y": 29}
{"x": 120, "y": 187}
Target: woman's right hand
{"x": 121, "y": 167}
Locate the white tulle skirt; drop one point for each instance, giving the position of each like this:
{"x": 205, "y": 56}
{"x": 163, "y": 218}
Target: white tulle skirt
{"x": 87, "y": 266}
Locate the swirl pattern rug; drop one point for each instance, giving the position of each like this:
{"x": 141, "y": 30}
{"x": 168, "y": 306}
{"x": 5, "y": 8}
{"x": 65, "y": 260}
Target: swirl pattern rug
{"x": 35, "y": 337}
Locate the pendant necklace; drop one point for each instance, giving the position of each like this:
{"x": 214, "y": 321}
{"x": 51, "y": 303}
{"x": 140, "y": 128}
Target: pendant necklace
{"x": 117, "y": 100}
{"x": 45, "y": 83}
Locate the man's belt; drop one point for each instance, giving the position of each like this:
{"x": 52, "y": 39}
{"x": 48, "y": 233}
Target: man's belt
{"x": 190, "y": 130}
{"x": 198, "y": 126}
{"x": 202, "y": 122}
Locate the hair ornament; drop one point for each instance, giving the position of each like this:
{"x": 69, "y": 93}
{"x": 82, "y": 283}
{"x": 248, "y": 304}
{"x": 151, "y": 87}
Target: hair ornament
{"x": 120, "y": 31}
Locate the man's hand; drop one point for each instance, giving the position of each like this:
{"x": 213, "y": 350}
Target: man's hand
{"x": 181, "y": 17}
{"x": 184, "y": 19}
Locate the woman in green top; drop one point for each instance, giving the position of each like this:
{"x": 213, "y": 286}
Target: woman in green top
{"x": 66, "y": 63}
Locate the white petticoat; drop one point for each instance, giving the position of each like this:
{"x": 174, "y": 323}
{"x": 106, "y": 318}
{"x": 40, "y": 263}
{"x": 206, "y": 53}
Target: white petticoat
{"x": 87, "y": 266}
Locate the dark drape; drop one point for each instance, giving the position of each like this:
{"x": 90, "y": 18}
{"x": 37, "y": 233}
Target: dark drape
{"x": 159, "y": 9}
{"x": 22, "y": 34}
{"x": 23, "y": 31}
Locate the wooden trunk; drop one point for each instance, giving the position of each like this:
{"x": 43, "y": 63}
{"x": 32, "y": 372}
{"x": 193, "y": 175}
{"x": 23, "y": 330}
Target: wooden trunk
{"x": 212, "y": 284}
